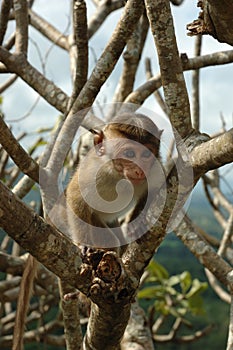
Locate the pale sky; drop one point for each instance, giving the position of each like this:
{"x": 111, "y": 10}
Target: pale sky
{"x": 216, "y": 82}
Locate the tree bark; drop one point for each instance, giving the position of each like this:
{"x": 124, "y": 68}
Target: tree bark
{"x": 215, "y": 20}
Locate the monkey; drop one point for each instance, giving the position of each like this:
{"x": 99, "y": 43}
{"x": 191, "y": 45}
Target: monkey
{"x": 112, "y": 183}
{"x": 117, "y": 172}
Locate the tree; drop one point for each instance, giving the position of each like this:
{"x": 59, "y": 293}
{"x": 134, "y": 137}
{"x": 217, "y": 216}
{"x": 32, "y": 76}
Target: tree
{"x": 110, "y": 282}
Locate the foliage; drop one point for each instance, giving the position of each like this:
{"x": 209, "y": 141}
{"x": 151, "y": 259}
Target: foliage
{"x": 177, "y": 295}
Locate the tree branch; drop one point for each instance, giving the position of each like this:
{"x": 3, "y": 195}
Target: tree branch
{"x": 137, "y": 335}
{"x": 103, "y": 10}
{"x": 196, "y": 87}
{"x": 81, "y": 47}
{"x": 43, "y": 241}
{"x": 213, "y": 59}
{"x": 49, "y": 31}
{"x": 215, "y": 20}
{"x": 176, "y": 96}
{"x": 45, "y": 88}
{"x": 139, "y": 95}
{"x": 71, "y": 318}
{"x": 113, "y": 294}
{"x": 203, "y": 251}
{"x": 169, "y": 200}
{"x": 131, "y": 57}
{"x": 21, "y": 158}
{"x": 8, "y": 83}
{"x": 112, "y": 317}
{"x": 21, "y": 19}
{"x": 212, "y": 154}
{"x": 4, "y": 17}
{"x": 145, "y": 90}
{"x": 102, "y": 70}
{"x": 157, "y": 94}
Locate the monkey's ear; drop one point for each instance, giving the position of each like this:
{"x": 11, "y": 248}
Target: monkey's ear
{"x": 98, "y": 141}
{"x": 160, "y": 132}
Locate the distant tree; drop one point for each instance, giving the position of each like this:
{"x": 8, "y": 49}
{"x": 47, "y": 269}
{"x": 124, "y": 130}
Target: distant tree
{"x": 55, "y": 265}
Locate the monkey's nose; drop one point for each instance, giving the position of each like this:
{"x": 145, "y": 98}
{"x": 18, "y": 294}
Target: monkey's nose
{"x": 139, "y": 173}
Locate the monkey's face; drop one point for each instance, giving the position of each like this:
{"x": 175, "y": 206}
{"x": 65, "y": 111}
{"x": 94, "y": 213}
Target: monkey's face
{"x": 133, "y": 160}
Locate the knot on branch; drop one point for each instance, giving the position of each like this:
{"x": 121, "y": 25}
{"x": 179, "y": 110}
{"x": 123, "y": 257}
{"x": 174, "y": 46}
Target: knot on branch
{"x": 194, "y": 139}
{"x": 109, "y": 283}
{"x": 109, "y": 268}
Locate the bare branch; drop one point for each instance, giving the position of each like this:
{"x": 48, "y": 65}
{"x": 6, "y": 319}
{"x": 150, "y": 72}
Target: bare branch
{"x": 4, "y": 16}
{"x": 214, "y": 20}
{"x": 203, "y": 251}
{"x": 131, "y": 57}
{"x": 71, "y": 318}
{"x": 111, "y": 317}
{"x": 137, "y": 334}
{"x": 157, "y": 94}
{"x": 227, "y": 236}
{"x": 49, "y": 31}
{"x": 10, "y": 42}
{"x": 225, "y": 242}
{"x": 213, "y": 59}
{"x": 80, "y": 45}
{"x": 176, "y": 96}
{"x": 222, "y": 294}
{"x": 24, "y": 299}
{"x": 23, "y": 186}
{"x": 17, "y": 153}
{"x": 196, "y": 89}
{"x": 21, "y": 18}
{"x": 44, "y": 242}
{"x": 46, "y": 88}
{"x": 145, "y": 90}
{"x": 101, "y": 14}
{"x": 230, "y": 332}
{"x": 104, "y": 67}
{"x": 139, "y": 95}
{"x": 8, "y": 83}
{"x": 212, "y": 154}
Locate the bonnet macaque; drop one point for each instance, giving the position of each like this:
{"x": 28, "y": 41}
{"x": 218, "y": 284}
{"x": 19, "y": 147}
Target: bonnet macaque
{"x": 113, "y": 180}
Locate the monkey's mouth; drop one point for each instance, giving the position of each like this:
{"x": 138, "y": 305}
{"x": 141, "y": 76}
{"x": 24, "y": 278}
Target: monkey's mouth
{"x": 136, "y": 181}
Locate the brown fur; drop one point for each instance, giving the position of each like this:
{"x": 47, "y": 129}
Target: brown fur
{"x": 127, "y": 128}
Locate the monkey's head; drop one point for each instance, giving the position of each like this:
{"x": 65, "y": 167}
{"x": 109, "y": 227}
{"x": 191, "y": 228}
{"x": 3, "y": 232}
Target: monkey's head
{"x": 132, "y": 143}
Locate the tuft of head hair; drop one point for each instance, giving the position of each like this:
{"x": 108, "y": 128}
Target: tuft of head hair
{"x": 136, "y": 127}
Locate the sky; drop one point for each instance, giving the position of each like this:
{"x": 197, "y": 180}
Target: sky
{"x": 216, "y": 82}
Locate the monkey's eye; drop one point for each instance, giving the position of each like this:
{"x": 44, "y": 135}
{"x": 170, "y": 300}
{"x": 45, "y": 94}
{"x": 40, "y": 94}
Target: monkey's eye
{"x": 146, "y": 154}
{"x": 129, "y": 153}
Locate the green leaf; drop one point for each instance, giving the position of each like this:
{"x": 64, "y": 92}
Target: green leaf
{"x": 36, "y": 145}
{"x": 196, "y": 305}
{"x": 197, "y": 288}
{"x": 161, "y": 307}
{"x": 158, "y": 270}
{"x": 151, "y": 292}
{"x": 171, "y": 290}
{"x": 173, "y": 280}
{"x": 185, "y": 281}
{"x": 174, "y": 312}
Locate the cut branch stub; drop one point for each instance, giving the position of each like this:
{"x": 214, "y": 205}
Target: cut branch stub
{"x": 215, "y": 19}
